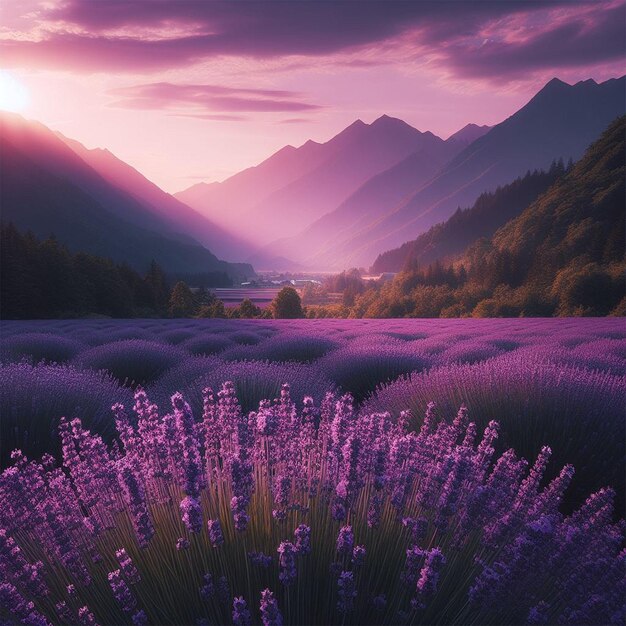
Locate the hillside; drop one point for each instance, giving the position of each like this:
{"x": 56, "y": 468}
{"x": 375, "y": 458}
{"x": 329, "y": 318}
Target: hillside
{"x": 48, "y": 189}
{"x": 561, "y": 121}
{"x": 563, "y": 255}
{"x": 177, "y": 215}
{"x": 296, "y": 186}
{"x": 490, "y": 211}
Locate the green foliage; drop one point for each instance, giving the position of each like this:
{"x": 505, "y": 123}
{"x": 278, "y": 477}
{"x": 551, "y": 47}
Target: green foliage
{"x": 246, "y": 310}
{"x": 562, "y": 255}
{"x": 287, "y": 304}
{"x": 490, "y": 211}
{"x": 181, "y": 300}
{"x": 215, "y": 309}
{"x": 42, "y": 279}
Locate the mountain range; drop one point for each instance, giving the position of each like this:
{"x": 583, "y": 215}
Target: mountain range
{"x": 492, "y": 209}
{"x": 364, "y": 195}
{"x": 91, "y": 201}
{"x": 375, "y": 186}
{"x": 563, "y": 254}
{"x": 296, "y": 186}
{"x": 561, "y": 121}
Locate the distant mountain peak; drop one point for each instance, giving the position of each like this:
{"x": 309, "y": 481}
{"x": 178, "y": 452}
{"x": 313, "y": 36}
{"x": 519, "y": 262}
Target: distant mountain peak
{"x": 556, "y": 82}
{"x": 469, "y": 133}
{"x": 386, "y": 121}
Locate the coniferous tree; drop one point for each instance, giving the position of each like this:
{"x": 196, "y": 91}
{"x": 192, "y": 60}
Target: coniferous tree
{"x": 181, "y": 301}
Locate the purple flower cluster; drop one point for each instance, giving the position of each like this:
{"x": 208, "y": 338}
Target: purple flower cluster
{"x": 435, "y": 509}
{"x": 215, "y": 532}
{"x": 270, "y": 613}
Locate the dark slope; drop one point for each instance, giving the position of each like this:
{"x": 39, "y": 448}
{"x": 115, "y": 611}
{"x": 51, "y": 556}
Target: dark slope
{"x": 179, "y": 216}
{"x": 559, "y": 122}
{"x": 490, "y": 211}
{"x": 47, "y": 188}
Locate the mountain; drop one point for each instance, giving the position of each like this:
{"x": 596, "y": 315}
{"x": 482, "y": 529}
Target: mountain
{"x": 562, "y": 255}
{"x": 469, "y": 133}
{"x": 295, "y": 186}
{"x": 573, "y": 234}
{"x": 48, "y": 188}
{"x": 381, "y": 192}
{"x": 178, "y": 216}
{"x": 559, "y": 122}
{"x": 491, "y": 210}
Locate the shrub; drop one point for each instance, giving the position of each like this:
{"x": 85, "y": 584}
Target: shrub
{"x": 207, "y": 344}
{"x": 580, "y": 411}
{"x": 286, "y": 346}
{"x": 300, "y": 517}
{"x": 176, "y": 336}
{"x": 469, "y": 352}
{"x": 254, "y": 380}
{"x": 134, "y": 361}
{"x": 287, "y": 304}
{"x": 36, "y": 347}
{"x": 34, "y": 398}
{"x": 364, "y": 364}
{"x": 246, "y": 337}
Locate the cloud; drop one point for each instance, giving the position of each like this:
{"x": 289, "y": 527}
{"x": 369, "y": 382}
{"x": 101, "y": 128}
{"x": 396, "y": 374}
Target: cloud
{"x": 213, "y": 117}
{"x": 294, "y": 120}
{"x": 468, "y": 38}
{"x": 204, "y": 101}
{"x": 566, "y": 39}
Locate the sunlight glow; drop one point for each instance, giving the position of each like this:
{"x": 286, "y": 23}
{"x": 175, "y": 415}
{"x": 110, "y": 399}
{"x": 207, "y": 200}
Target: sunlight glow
{"x": 13, "y": 94}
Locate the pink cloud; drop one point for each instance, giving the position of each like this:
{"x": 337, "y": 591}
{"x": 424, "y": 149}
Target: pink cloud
{"x": 207, "y": 98}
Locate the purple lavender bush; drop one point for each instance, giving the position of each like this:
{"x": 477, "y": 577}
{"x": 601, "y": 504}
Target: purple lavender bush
{"x": 253, "y": 380}
{"x": 370, "y": 361}
{"x": 34, "y": 398}
{"x": 206, "y": 344}
{"x": 580, "y": 412}
{"x": 358, "y": 521}
{"x": 38, "y": 347}
{"x": 287, "y": 346}
{"x": 133, "y": 361}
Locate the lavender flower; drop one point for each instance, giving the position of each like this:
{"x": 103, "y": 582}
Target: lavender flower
{"x": 287, "y": 562}
{"x": 358, "y": 556}
{"x": 127, "y": 566}
{"x": 121, "y": 591}
{"x": 140, "y": 618}
{"x": 270, "y": 613}
{"x": 379, "y": 602}
{"x": 191, "y": 514}
{"x": 346, "y": 590}
{"x": 303, "y": 539}
{"x": 215, "y": 532}
{"x": 182, "y": 544}
{"x": 259, "y": 559}
{"x": 241, "y": 615}
{"x": 345, "y": 540}
{"x": 86, "y": 617}
{"x": 207, "y": 591}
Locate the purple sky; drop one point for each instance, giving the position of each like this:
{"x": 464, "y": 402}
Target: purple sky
{"x": 188, "y": 90}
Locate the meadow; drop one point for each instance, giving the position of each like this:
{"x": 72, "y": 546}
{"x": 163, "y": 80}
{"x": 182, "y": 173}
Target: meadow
{"x": 313, "y": 471}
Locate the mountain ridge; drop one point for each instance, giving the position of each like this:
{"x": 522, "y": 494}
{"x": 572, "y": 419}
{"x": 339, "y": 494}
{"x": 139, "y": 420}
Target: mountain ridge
{"x": 73, "y": 201}
{"x": 560, "y": 121}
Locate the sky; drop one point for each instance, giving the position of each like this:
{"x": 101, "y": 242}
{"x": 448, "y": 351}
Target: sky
{"x": 189, "y": 91}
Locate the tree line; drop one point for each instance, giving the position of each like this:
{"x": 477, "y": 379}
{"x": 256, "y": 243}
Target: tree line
{"x": 42, "y": 279}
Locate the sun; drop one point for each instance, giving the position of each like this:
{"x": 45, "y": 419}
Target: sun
{"x": 13, "y": 94}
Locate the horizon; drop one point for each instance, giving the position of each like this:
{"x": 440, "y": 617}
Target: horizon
{"x": 295, "y": 145}
{"x": 188, "y": 92}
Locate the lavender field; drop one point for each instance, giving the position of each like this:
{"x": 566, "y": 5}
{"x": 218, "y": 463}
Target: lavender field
{"x": 313, "y": 471}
